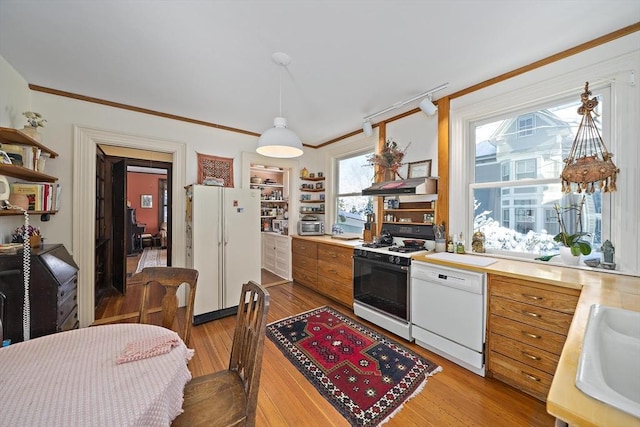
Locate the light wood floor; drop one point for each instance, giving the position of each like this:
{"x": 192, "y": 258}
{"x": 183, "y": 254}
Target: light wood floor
{"x": 453, "y": 397}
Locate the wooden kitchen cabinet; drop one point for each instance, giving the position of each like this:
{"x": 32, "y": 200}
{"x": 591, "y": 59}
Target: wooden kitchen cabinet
{"x": 325, "y": 268}
{"x": 304, "y": 255}
{"x": 276, "y": 254}
{"x": 528, "y": 325}
{"x": 335, "y": 273}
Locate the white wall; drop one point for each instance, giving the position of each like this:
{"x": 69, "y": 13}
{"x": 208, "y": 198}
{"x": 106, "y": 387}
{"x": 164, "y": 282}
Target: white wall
{"x": 15, "y": 96}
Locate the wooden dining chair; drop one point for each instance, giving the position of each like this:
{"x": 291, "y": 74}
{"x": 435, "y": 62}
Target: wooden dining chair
{"x": 230, "y": 397}
{"x": 170, "y": 278}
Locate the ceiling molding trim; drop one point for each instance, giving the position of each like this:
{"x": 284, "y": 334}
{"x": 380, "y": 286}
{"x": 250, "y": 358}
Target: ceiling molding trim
{"x": 551, "y": 59}
{"x": 137, "y": 109}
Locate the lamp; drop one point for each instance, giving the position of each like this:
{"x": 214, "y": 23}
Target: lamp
{"x": 426, "y": 105}
{"x": 279, "y": 141}
{"x": 589, "y": 163}
{"x": 367, "y": 128}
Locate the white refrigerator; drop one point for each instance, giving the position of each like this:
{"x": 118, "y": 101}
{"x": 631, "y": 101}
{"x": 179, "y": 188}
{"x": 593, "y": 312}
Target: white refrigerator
{"x": 224, "y": 245}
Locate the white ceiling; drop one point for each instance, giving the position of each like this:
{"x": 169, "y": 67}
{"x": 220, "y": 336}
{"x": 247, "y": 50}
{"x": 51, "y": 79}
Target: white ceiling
{"x": 211, "y": 60}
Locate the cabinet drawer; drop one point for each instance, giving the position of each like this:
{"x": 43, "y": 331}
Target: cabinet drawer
{"x": 334, "y": 254}
{"x": 536, "y": 337}
{"x": 65, "y": 288}
{"x": 305, "y": 262}
{"x": 305, "y": 277}
{"x": 66, "y": 306}
{"x": 334, "y": 271}
{"x": 531, "y": 315}
{"x": 71, "y": 322}
{"x": 305, "y": 247}
{"x": 337, "y": 290}
{"x": 522, "y": 291}
{"x": 524, "y": 353}
{"x": 528, "y": 379}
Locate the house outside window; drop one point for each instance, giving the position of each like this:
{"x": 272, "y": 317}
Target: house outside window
{"x": 514, "y": 211}
{"x": 353, "y": 175}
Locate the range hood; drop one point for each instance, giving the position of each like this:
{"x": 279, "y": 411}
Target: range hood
{"x": 404, "y": 186}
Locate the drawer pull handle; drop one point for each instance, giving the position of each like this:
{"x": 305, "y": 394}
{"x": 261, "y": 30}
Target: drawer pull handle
{"x": 534, "y": 336}
{"x": 334, "y": 255}
{"x": 531, "y": 377}
{"x": 530, "y": 356}
{"x": 333, "y": 271}
{"x": 532, "y": 297}
{"x": 528, "y": 313}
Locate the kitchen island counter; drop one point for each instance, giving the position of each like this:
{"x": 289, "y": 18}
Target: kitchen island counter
{"x": 564, "y": 400}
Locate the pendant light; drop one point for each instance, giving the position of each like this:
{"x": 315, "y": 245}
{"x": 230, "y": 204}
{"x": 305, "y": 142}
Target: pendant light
{"x": 279, "y": 141}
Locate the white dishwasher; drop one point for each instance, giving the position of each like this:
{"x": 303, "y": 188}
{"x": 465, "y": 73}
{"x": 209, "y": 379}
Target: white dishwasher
{"x": 448, "y": 313}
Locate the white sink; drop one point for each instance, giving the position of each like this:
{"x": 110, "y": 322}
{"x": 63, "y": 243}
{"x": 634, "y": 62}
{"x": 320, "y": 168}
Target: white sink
{"x": 609, "y": 367}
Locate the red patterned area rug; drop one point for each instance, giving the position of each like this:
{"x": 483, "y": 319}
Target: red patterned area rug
{"x": 366, "y": 376}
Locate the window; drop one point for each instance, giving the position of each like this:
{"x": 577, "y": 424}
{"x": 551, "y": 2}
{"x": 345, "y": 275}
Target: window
{"x": 516, "y": 210}
{"x": 526, "y": 169}
{"x": 526, "y": 125}
{"x": 353, "y": 175}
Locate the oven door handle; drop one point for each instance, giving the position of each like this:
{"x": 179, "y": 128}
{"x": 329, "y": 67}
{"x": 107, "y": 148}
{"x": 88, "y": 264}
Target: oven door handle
{"x": 390, "y": 266}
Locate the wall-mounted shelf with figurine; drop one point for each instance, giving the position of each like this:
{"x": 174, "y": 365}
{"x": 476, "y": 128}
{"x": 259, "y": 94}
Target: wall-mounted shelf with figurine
{"x": 28, "y": 170}
{"x": 312, "y": 193}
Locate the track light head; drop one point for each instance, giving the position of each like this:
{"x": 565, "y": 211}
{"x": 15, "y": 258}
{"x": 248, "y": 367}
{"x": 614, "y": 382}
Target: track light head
{"x": 427, "y": 106}
{"x": 367, "y": 128}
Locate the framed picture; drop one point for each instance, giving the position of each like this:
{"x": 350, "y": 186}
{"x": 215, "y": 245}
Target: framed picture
{"x": 421, "y": 169}
{"x": 146, "y": 201}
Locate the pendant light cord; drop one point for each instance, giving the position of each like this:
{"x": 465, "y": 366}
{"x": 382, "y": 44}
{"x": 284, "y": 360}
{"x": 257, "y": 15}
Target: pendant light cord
{"x": 281, "y": 66}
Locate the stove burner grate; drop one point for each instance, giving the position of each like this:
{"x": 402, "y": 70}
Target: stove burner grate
{"x": 407, "y": 249}
{"x": 376, "y": 245}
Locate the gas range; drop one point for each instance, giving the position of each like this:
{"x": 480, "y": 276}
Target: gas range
{"x": 381, "y": 274}
{"x": 397, "y": 252}
{"x": 400, "y": 255}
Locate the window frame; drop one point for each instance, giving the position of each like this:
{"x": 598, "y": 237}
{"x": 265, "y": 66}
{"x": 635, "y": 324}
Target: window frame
{"x": 336, "y": 195}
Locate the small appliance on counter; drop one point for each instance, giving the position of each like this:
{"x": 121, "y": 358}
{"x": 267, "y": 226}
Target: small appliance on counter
{"x": 310, "y": 225}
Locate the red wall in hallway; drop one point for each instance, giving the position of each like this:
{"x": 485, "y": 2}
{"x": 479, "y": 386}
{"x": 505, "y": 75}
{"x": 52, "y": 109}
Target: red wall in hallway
{"x": 144, "y": 183}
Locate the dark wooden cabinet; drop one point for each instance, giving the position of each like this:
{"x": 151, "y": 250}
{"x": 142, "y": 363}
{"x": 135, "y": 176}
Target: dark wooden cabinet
{"x": 52, "y": 292}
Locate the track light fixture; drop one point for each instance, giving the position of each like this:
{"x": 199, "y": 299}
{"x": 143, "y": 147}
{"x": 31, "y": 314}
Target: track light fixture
{"x": 426, "y": 105}
{"x": 279, "y": 141}
{"x": 367, "y": 128}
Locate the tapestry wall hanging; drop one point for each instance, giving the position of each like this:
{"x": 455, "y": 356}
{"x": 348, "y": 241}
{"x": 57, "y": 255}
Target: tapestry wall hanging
{"x": 215, "y": 167}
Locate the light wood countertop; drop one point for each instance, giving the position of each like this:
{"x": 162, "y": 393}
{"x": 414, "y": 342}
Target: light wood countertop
{"x": 565, "y": 401}
{"x": 328, "y": 239}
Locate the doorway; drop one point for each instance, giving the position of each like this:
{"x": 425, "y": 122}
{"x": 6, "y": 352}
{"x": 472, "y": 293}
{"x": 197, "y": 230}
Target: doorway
{"x": 135, "y": 231}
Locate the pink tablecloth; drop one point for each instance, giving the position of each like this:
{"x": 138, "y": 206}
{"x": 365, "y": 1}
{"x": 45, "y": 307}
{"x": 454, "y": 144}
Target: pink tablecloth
{"x": 72, "y": 379}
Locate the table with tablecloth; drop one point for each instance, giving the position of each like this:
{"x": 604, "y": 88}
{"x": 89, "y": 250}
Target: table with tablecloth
{"x": 74, "y": 379}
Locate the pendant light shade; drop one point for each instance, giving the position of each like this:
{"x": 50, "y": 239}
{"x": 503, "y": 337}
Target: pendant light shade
{"x": 279, "y": 141}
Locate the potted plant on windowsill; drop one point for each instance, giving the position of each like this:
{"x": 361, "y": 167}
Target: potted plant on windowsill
{"x": 572, "y": 244}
